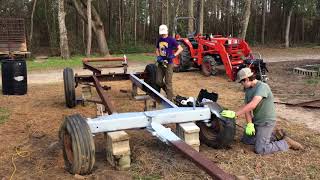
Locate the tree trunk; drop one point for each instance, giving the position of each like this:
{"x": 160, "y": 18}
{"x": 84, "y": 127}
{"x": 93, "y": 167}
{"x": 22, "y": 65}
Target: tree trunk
{"x": 64, "y": 48}
{"x": 200, "y": 18}
{"x": 97, "y": 25}
{"x": 302, "y": 29}
{"x": 287, "y": 37}
{"x": 246, "y": 18}
{"x": 135, "y": 22}
{"x": 228, "y": 4}
{"x": 263, "y": 24}
{"x": 31, "y": 23}
{"x": 190, "y": 14}
{"x": 89, "y": 35}
{"x": 120, "y": 22}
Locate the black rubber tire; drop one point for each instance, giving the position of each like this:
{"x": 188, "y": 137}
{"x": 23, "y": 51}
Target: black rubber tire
{"x": 209, "y": 66}
{"x": 78, "y": 145}
{"x": 151, "y": 76}
{"x": 69, "y": 88}
{"x": 184, "y": 58}
{"x": 219, "y": 135}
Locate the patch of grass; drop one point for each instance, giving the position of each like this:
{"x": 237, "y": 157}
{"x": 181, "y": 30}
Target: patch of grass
{"x": 75, "y": 61}
{"x": 4, "y": 115}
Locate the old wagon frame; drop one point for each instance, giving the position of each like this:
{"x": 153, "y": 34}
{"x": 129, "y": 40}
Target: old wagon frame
{"x": 76, "y": 132}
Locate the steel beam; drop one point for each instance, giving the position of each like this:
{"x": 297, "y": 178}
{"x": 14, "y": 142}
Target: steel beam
{"x": 107, "y": 77}
{"x": 92, "y": 68}
{"x": 152, "y": 92}
{"x": 103, "y": 59}
{"x": 105, "y": 98}
{"x": 208, "y": 166}
{"x": 132, "y": 120}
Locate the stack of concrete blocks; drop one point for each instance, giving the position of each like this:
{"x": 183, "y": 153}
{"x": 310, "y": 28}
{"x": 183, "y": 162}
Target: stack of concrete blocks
{"x": 189, "y": 133}
{"x": 118, "y": 149}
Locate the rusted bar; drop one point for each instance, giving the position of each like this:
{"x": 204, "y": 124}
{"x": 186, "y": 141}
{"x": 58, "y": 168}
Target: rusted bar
{"x": 201, "y": 161}
{"x": 308, "y": 104}
{"x": 91, "y": 68}
{"x": 107, "y": 77}
{"x": 110, "y": 66}
{"x": 103, "y": 59}
{"x": 105, "y": 98}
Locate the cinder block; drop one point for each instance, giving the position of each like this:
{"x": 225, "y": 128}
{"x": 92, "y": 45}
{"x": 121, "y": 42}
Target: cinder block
{"x": 118, "y": 149}
{"x": 189, "y": 132}
{"x": 86, "y": 92}
{"x": 100, "y": 109}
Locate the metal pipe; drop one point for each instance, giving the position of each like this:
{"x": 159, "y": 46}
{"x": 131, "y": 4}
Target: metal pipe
{"x": 152, "y": 92}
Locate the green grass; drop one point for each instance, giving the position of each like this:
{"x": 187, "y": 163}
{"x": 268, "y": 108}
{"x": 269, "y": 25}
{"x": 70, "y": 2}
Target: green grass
{"x": 4, "y": 115}
{"x": 76, "y": 61}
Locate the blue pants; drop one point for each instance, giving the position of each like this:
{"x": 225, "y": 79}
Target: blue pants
{"x": 264, "y": 140}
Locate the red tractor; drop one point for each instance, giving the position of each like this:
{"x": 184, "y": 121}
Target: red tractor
{"x": 207, "y": 51}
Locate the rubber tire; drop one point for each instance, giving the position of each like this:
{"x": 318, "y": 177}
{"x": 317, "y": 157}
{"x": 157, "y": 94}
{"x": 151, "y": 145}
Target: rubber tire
{"x": 69, "y": 88}
{"x": 151, "y": 78}
{"x": 209, "y": 66}
{"x": 219, "y": 137}
{"x": 78, "y": 145}
{"x": 184, "y": 58}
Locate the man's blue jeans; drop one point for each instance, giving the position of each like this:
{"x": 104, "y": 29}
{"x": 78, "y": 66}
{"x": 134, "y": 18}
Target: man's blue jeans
{"x": 264, "y": 140}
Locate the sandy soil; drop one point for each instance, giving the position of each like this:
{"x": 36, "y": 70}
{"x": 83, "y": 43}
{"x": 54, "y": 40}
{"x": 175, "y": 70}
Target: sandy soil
{"x": 35, "y": 119}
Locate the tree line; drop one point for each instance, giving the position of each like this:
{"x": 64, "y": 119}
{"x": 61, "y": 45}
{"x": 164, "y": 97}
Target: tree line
{"x": 62, "y": 25}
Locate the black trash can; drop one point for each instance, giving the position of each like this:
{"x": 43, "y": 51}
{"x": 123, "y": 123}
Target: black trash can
{"x": 14, "y": 76}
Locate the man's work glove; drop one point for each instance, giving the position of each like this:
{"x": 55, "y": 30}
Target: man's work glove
{"x": 159, "y": 59}
{"x": 250, "y": 131}
{"x": 228, "y": 114}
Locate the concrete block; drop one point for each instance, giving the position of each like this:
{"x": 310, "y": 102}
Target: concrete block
{"x": 86, "y": 92}
{"x": 100, "y": 109}
{"x": 118, "y": 149}
{"x": 189, "y": 133}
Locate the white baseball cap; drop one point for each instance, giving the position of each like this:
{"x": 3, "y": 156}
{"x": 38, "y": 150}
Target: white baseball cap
{"x": 163, "y": 29}
{"x": 244, "y": 73}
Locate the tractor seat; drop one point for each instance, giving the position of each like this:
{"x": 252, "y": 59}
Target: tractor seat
{"x": 193, "y": 42}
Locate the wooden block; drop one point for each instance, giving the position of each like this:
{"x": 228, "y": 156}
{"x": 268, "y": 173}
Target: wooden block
{"x": 86, "y": 92}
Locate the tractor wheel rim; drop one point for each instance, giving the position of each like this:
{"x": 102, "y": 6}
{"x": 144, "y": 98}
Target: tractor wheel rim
{"x": 68, "y": 146}
{"x": 209, "y": 132}
{"x": 207, "y": 67}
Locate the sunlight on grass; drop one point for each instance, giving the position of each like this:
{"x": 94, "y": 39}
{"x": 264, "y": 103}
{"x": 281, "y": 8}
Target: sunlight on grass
{"x": 76, "y": 61}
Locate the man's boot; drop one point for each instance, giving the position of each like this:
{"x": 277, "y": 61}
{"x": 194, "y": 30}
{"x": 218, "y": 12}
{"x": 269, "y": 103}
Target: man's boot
{"x": 293, "y": 144}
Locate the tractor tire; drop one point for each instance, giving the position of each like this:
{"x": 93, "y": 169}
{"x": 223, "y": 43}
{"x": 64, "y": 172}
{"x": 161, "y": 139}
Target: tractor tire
{"x": 209, "y": 66}
{"x": 218, "y": 133}
{"x": 78, "y": 145}
{"x": 69, "y": 88}
{"x": 184, "y": 58}
{"x": 151, "y": 79}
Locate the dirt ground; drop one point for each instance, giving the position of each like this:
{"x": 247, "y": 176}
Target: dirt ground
{"x": 32, "y": 129}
